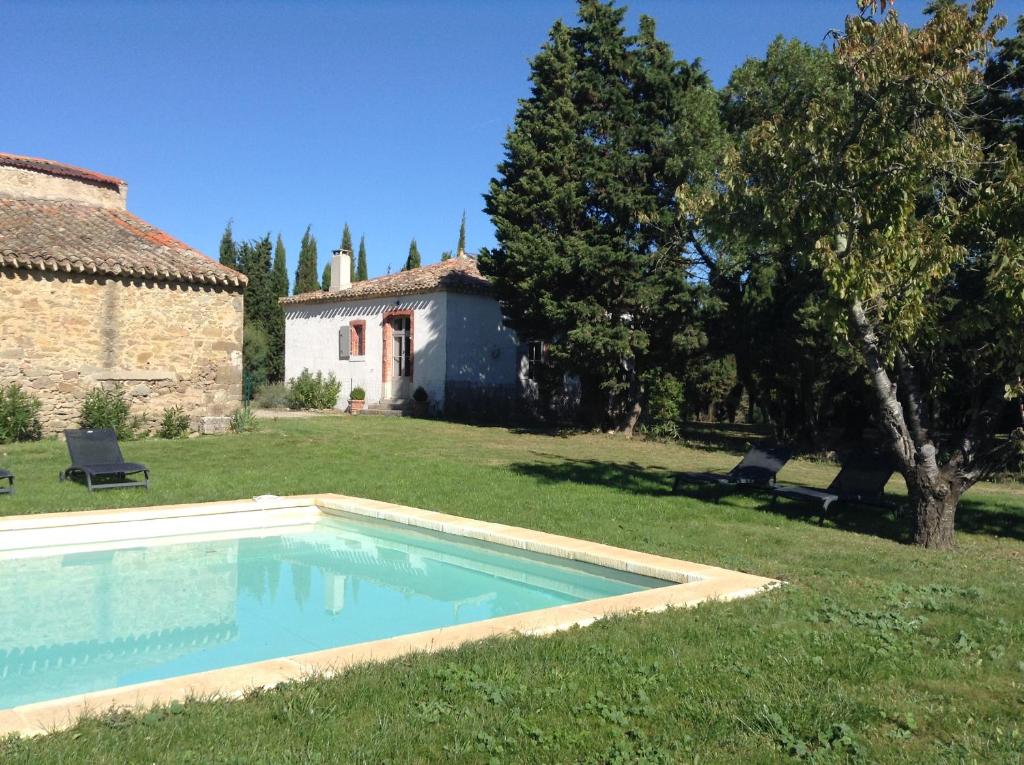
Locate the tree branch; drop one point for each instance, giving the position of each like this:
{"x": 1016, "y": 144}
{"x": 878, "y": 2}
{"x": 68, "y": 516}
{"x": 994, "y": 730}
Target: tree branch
{"x": 910, "y": 395}
{"x": 891, "y": 411}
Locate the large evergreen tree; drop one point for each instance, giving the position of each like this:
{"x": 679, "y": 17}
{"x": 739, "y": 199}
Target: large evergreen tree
{"x": 280, "y": 275}
{"x": 260, "y": 309}
{"x": 306, "y": 273}
{"x": 592, "y": 251}
{"x": 325, "y": 280}
{"x": 275, "y": 314}
{"x": 362, "y": 274}
{"x": 413, "y": 261}
{"x": 228, "y": 249}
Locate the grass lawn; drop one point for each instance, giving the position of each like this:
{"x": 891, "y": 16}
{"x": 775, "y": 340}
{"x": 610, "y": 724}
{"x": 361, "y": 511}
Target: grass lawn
{"x": 877, "y": 652}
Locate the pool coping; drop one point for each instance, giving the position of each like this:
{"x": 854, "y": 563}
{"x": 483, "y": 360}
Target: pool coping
{"x": 695, "y": 583}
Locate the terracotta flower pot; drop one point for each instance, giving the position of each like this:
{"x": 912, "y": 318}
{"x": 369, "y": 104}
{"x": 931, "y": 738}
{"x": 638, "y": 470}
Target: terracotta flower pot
{"x": 356, "y": 406}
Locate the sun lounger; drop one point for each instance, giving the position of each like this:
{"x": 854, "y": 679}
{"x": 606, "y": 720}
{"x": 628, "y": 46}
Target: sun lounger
{"x": 96, "y": 456}
{"x": 861, "y": 480}
{"x": 758, "y": 468}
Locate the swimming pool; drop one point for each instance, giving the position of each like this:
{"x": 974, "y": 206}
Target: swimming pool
{"x": 150, "y": 604}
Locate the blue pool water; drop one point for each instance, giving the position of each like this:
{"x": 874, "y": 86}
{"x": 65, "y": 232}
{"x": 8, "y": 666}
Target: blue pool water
{"x": 82, "y": 621}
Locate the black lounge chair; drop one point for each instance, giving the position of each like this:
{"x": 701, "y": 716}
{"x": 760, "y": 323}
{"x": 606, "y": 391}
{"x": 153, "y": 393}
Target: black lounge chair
{"x": 861, "y": 480}
{"x": 96, "y": 455}
{"x": 758, "y": 468}
{"x": 9, "y": 488}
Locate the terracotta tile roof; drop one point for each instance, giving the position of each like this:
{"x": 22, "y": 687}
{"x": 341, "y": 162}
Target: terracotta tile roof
{"x": 58, "y": 168}
{"x": 71, "y": 237}
{"x": 455, "y": 275}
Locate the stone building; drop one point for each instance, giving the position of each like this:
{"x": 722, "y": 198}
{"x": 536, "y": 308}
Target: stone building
{"x": 91, "y": 295}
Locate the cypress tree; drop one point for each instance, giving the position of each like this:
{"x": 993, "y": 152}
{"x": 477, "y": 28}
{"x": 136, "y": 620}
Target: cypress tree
{"x": 275, "y": 318}
{"x": 280, "y": 275}
{"x": 461, "y": 249}
{"x": 228, "y": 249}
{"x": 592, "y": 251}
{"x": 306, "y": 273}
{"x": 446, "y": 255}
{"x": 361, "y": 271}
{"x": 260, "y": 310}
{"x": 325, "y": 279}
{"x": 413, "y": 261}
{"x": 346, "y": 244}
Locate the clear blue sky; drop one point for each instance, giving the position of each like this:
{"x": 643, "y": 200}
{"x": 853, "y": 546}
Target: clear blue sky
{"x": 389, "y": 115}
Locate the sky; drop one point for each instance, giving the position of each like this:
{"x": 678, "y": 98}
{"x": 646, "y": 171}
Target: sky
{"x": 389, "y": 115}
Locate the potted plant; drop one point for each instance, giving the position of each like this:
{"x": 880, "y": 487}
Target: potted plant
{"x": 419, "y": 402}
{"x": 356, "y": 400}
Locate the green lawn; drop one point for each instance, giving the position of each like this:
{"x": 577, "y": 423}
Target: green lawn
{"x": 877, "y": 652}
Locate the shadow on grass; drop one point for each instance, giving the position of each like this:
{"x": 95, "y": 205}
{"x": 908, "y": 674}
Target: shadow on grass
{"x": 721, "y": 436}
{"x": 624, "y": 476}
{"x": 973, "y": 516}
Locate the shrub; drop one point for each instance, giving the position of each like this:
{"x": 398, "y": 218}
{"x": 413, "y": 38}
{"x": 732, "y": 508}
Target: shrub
{"x": 272, "y": 396}
{"x": 174, "y": 424}
{"x": 664, "y": 407}
{"x": 357, "y": 394}
{"x": 243, "y": 420}
{"x": 19, "y": 415}
{"x": 110, "y": 409}
{"x": 420, "y": 394}
{"x": 309, "y": 391}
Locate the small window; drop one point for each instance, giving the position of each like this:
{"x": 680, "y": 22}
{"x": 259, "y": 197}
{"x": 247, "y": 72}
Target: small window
{"x": 534, "y": 358}
{"x": 357, "y": 343}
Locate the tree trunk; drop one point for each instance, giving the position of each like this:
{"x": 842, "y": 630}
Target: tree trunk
{"x": 935, "y": 504}
{"x": 633, "y": 409}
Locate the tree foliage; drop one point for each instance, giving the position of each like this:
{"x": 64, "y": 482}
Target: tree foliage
{"x": 908, "y": 226}
{"x": 306, "y": 273}
{"x": 228, "y": 251}
{"x": 413, "y": 261}
{"x": 362, "y": 274}
{"x": 592, "y": 253}
{"x": 346, "y": 245}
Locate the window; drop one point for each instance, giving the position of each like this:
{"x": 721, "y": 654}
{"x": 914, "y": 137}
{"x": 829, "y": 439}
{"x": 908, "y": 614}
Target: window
{"x": 357, "y": 343}
{"x": 352, "y": 340}
{"x": 534, "y": 358}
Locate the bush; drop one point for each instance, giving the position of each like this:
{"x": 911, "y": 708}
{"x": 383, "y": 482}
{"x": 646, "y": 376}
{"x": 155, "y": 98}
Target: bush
{"x": 243, "y": 420}
{"x": 664, "y": 407}
{"x": 420, "y": 394}
{"x": 110, "y": 409}
{"x": 175, "y": 423}
{"x": 357, "y": 394}
{"x": 19, "y": 415}
{"x": 272, "y": 396}
{"x": 309, "y": 391}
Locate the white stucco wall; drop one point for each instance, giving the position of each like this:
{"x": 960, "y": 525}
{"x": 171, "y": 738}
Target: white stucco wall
{"x": 480, "y": 348}
{"x": 311, "y": 342}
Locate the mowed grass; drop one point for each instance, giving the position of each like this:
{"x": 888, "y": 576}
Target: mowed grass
{"x": 875, "y": 652}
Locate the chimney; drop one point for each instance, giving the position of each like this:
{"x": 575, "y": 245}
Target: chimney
{"x": 341, "y": 270}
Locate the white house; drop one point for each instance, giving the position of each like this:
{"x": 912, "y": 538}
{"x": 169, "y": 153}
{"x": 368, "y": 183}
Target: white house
{"x": 437, "y": 327}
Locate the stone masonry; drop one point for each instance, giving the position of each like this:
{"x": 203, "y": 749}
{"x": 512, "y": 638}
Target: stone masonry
{"x": 166, "y": 344}
{"x": 91, "y": 296}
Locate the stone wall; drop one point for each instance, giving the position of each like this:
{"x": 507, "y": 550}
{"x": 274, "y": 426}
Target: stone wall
{"x": 31, "y": 184}
{"x": 62, "y": 335}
